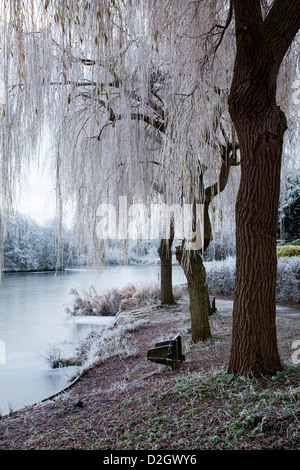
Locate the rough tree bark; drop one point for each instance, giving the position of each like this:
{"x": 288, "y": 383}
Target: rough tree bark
{"x": 165, "y": 255}
{"x": 260, "y": 126}
{"x": 192, "y": 262}
{"x": 200, "y": 309}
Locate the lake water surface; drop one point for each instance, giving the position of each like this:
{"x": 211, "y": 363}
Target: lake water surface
{"x": 33, "y": 321}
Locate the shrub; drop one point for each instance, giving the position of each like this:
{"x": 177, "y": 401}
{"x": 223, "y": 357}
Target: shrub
{"x": 58, "y": 357}
{"x": 288, "y": 250}
{"x": 110, "y": 302}
{"x": 89, "y": 302}
{"x": 221, "y": 278}
{"x": 294, "y": 243}
{"x": 288, "y": 279}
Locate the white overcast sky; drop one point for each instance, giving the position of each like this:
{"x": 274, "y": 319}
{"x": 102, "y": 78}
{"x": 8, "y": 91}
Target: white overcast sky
{"x": 38, "y": 200}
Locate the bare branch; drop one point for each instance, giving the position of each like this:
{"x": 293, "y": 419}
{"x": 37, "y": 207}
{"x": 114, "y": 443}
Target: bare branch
{"x": 281, "y": 26}
{"x": 224, "y": 28}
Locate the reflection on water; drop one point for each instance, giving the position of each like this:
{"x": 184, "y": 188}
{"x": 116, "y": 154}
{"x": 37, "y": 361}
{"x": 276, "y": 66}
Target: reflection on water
{"x": 33, "y": 320}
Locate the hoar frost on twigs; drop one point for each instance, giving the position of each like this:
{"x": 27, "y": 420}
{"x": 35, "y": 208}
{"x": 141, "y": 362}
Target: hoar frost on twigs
{"x": 134, "y": 95}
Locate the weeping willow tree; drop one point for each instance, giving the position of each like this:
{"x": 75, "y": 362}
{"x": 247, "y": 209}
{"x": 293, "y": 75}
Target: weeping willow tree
{"x": 135, "y": 95}
{"x": 125, "y": 112}
{"x": 200, "y": 148}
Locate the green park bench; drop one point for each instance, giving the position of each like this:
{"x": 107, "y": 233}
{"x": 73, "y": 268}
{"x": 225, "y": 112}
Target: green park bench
{"x": 168, "y": 353}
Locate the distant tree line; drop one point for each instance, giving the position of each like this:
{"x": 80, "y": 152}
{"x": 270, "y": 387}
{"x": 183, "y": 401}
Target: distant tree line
{"x": 29, "y": 246}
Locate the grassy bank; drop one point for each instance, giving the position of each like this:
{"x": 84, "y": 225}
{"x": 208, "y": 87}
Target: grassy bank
{"x": 210, "y": 411}
{"x": 125, "y": 402}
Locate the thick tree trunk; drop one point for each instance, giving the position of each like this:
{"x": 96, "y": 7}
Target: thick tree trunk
{"x": 200, "y": 308}
{"x": 254, "y": 343}
{"x": 261, "y": 46}
{"x": 166, "y": 287}
{"x": 165, "y": 255}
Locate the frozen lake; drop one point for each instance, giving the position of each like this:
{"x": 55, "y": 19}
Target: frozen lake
{"x": 33, "y": 321}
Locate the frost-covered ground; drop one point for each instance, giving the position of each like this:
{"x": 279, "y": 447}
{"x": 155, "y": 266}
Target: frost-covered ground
{"x": 124, "y": 402}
